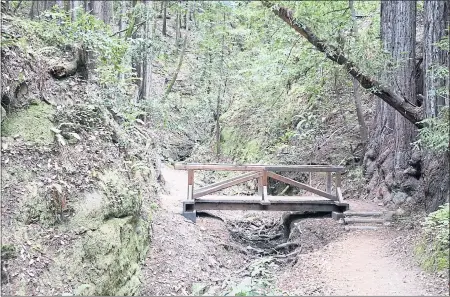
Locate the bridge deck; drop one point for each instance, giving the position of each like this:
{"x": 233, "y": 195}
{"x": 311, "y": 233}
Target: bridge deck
{"x": 273, "y": 203}
{"x": 257, "y": 199}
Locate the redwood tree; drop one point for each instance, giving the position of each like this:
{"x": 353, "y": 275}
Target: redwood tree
{"x": 391, "y": 136}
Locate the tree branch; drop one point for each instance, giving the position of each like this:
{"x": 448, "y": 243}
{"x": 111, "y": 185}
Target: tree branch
{"x": 128, "y": 28}
{"x": 406, "y": 108}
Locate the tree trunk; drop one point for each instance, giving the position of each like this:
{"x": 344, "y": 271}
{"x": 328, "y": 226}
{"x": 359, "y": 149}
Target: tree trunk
{"x": 36, "y": 8}
{"x": 145, "y": 87}
{"x": 107, "y": 12}
{"x": 180, "y": 62}
{"x": 390, "y": 150}
{"x": 164, "y": 26}
{"x": 356, "y": 91}
{"x": 435, "y": 165}
{"x": 178, "y": 31}
{"x": 75, "y": 4}
{"x": 436, "y": 22}
{"x": 97, "y": 8}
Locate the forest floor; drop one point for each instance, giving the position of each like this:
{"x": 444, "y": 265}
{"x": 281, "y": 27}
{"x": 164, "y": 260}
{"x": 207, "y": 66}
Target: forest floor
{"x": 206, "y": 259}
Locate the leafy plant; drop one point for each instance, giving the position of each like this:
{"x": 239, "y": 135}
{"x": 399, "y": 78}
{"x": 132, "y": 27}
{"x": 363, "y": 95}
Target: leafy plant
{"x": 433, "y": 250}
{"x": 435, "y": 134}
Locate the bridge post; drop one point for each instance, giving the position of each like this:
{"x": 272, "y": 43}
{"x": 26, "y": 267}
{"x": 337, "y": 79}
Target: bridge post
{"x": 329, "y": 182}
{"x": 188, "y": 205}
{"x": 264, "y": 188}
{"x": 190, "y": 194}
{"x": 338, "y": 183}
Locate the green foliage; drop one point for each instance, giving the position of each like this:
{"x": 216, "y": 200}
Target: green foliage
{"x": 8, "y": 251}
{"x": 435, "y": 134}
{"x": 433, "y": 250}
{"x": 56, "y": 28}
{"x": 33, "y": 124}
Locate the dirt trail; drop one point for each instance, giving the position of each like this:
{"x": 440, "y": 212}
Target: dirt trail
{"x": 355, "y": 263}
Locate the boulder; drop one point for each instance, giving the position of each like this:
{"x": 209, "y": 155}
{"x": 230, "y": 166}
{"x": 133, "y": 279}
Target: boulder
{"x": 399, "y": 198}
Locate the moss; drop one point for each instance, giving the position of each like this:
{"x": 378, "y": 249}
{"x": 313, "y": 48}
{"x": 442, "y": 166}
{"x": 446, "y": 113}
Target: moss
{"x": 33, "y": 124}
{"x": 111, "y": 257}
{"x": 37, "y": 208}
{"x": 119, "y": 197}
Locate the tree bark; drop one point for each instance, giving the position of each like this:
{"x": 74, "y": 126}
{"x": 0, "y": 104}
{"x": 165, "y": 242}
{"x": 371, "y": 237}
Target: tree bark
{"x": 76, "y": 65}
{"x": 180, "y": 62}
{"x": 356, "y": 92}
{"x": 107, "y": 12}
{"x": 390, "y": 151}
{"x": 436, "y": 22}
{"x": 36, "y": 8}
{"x": 164, "y": 25}
{"x": 435, "y": 165}
{"x": 404, "y": 105}
{"x": 97, "y": 8}
{"x": 74, "y": 6}
{"x": 145, "y": 88}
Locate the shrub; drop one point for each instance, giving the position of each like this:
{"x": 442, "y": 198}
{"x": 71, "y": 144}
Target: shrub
{"x": 433, "y": 250}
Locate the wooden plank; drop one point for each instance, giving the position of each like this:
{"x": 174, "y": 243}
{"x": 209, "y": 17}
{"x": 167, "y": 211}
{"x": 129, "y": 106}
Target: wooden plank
{"x": 364, "y": 213}
{"x": 226, "y": 181}
{"x": 241, "y": 179}
{"x": 257, "y": 205}
{"x": 300, "y": 185}
{"x": 306, "y": 168}
{"x": 256, "y": 199}
{"x": 219, "y": 167}
{"x": 259, "y": 167}
{"x": 364, "y": 220}
{"x": 329, "y": 182}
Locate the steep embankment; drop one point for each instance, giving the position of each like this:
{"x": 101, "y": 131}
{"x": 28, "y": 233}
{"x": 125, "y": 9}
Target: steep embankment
{"x": 77, "y": 187}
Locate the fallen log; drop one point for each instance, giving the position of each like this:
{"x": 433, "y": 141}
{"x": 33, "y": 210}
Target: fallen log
{"x": 69, "y": 68}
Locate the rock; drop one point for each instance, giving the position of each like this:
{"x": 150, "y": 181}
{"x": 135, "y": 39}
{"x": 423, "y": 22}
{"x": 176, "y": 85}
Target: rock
{"x": 389, "y": 180}
{"x": 399, "y": 212}
{"x": 399, "y": 198}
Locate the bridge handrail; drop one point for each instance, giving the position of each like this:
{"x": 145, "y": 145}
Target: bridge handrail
{"x": 259, "y": 167}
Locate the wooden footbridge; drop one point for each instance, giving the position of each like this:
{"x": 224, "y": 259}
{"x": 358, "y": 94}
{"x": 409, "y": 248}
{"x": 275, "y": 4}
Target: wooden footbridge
{"x": 324, "y": 201}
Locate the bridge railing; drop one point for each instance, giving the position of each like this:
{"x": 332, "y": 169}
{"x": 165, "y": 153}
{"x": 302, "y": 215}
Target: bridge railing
{"x": 262, "y": 173}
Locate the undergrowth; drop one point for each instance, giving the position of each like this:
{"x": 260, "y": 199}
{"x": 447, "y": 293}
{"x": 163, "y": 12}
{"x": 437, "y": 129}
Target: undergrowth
{"x": 433, "y": 250}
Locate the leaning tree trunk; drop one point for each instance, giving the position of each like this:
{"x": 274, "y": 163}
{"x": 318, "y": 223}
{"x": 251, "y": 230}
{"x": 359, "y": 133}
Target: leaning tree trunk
{"x": 356, "y": 90}
{"x": 390, "y": 151}
{"x": 435, "y": 165}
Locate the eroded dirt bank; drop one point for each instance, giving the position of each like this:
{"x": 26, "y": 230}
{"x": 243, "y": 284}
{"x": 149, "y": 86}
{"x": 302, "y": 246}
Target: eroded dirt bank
{"x": 211, "y": 257}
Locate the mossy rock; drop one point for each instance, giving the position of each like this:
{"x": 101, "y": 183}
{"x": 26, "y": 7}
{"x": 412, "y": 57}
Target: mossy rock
{"x": 37, "y": 207}
{"x": 121, "y": 197}
{"x": 111, "y": 257}
{"x": 33, "y": 124}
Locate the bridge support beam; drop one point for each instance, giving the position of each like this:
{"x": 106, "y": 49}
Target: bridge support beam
{"x": 189, "y": 211}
